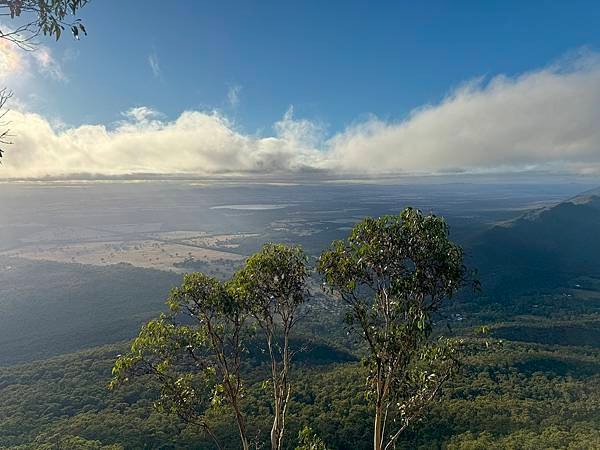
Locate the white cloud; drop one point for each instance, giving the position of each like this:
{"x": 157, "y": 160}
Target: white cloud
{"x": 196, "y": 142}
{"x": 47, "y": 65}
{"x": 301, "y": 133}
{"x": 154, "y": 64}
{"x": 141, "y": 114}
{"x": 541, "y": 120}
{"x": 233, "y": 95}
{"x": 11, "y": 60}
{"x": 18, "y": 66}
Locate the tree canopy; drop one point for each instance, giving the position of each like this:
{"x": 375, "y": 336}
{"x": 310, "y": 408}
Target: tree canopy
{"x": 393, "y": 273}
{"x": 46, "y": 17}
{"x": 273, "y": 286}
{"x": 197, "y": 351}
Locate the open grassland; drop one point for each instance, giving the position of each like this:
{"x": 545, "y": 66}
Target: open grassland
{"x": 152, "y": 250}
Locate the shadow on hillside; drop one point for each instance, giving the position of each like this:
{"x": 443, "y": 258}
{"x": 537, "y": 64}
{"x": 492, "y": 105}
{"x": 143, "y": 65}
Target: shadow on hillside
{"x": 570, "y": 335}
{"x": 559, "y": 367}
{"x": 308, "y": 350}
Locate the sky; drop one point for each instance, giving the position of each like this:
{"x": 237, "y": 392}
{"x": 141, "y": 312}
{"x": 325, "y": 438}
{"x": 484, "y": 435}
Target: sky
{"x": 337, "y": 87}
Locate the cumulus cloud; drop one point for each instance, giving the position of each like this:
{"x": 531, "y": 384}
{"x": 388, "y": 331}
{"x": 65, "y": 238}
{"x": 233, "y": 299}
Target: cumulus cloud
{"x": 539, "y": 119}
{"x": 545, "y": 119}
{"x": 196, "y": 143}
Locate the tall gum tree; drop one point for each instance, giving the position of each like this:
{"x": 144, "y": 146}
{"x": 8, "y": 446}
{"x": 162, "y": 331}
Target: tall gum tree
{"x": 393, "y": 273}
{"x": 194, "y": 353}
{"x": 273, "y": 286}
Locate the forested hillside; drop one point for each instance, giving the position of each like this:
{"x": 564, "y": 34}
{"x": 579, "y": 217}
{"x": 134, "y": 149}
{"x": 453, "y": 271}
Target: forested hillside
{"x": 68, "y": 307}
{"x": 529, "y": 383}
{"x": 546, "y": 247}
{"x": 528, "y": 396}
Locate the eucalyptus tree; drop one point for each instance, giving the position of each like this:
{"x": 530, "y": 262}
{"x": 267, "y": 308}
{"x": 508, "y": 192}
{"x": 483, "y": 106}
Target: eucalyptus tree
{"x": 195, "y": 353}
{"x": 35, "y": 17}
{"x": 393, "y": 273}
{"x": 273, "y": 286}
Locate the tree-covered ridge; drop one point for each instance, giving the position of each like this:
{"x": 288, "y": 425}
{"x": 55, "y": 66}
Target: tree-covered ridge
{"x": 545, "y": 395}
{"x": 542, "y": 247}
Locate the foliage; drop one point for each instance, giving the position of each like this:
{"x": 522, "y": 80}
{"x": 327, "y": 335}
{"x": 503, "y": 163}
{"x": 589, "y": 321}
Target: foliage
{"x": 198, "y": 365}
{"x": 393, "y": 273}
{"x": 308, "y": 440}
{"x": 538, "y": 392}
{"x": 47, "y": 17}
{"x": 555, "y": 436}
{"x": 273, "y": 286}
{"x": 60, "y": 441}
{"x": 518, "y": 390}
{"x": 197, "y": 351}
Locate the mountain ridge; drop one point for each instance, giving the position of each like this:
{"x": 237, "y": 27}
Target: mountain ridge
{"x": 542, "y": 247}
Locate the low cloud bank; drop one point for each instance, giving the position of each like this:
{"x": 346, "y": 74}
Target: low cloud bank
{"x": 543, "y": 120}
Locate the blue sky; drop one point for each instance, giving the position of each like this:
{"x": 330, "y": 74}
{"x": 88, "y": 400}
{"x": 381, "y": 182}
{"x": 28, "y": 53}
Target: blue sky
{"x": 338, "y": 63}
{"x": 333, "y": 60}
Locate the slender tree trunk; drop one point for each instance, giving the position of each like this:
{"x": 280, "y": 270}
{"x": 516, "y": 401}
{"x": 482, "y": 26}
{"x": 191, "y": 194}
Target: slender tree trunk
{"x": 277, "y": 407}
{"x": 213, "y": 437}
{"x": 242, "y": 429}
{"x": 379, "y": 424}
{"x": 378, "y": 427}
{"x": 281, "y": 390}
{"x": 276, "y": 429}
{"x": 279, "y": 420}
{"x": 282, "y": 396}
{"x": 244, "y": 439}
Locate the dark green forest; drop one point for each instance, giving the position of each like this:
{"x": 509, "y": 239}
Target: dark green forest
{"x": 521, "y": 395}
{"x": 534, "y": 387}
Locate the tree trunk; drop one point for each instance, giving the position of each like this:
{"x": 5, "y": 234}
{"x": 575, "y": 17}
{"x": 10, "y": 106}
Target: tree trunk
{"x": 242, "y": 428}
{"x": 245, "y": 445}
{"x": 208, "y": 431}
{"x": 276, "y": 429}
{"x": 378, "y": 427}
{"x": 241, "y": 425}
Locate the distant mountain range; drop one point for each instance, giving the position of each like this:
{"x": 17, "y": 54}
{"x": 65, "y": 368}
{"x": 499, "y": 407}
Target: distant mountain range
{"x": 542, "y": 248}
